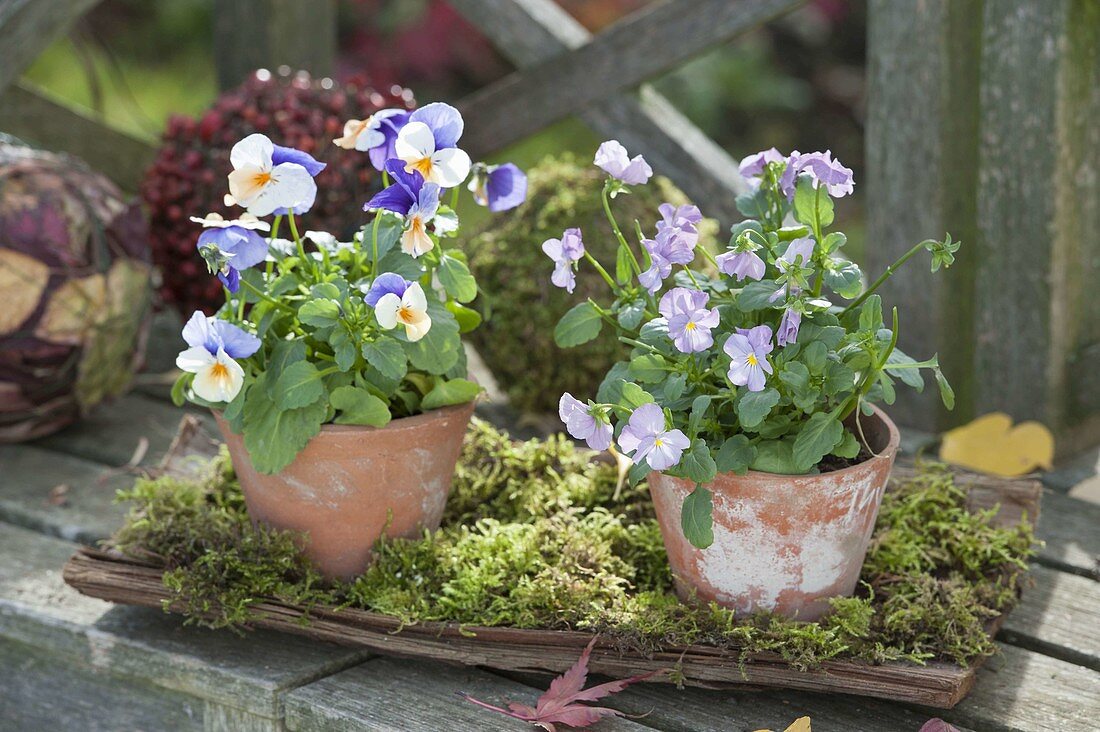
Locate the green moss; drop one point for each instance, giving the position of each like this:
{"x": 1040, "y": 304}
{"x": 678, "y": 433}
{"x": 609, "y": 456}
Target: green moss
{"x": 535, "y": 536}
{"x": 516, "y": 341}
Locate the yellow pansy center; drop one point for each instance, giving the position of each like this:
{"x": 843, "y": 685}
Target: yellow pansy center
{"x": 405, "y": 314}
{"x": 658, "y": 442}
{"x": 219, "y": 371}
{"x": 751, "y": 360}
{"x": 261, "y": 179}
{"x": 423, "y": 166}
{"x": 690, "y": 325}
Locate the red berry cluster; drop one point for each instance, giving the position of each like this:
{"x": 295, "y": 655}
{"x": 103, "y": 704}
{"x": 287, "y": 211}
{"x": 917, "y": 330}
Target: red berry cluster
{"x": 188, "y": 177}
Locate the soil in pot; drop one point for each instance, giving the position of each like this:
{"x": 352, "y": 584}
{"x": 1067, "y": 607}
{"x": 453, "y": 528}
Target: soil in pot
{"x": 782, "y": 543}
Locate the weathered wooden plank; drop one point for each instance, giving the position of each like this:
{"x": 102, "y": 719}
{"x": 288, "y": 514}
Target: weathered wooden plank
{"x": 393, "y": 694}
{"x": 642, "y": 46}
{"x": 1068, "y": 526}
{"x": 28, "y": 26}
{"x": 59, "y": 494}
{"x": 39, "y": 119}
{"x": 252, "y": 34}
{"x": 248, "y": 674}
{"x": 1022, "y": 691}
{"x": 532, "y": 31}
{"x": 113, "y": 432}
{"x": 1038, "y": 210}
{"x": 40, "y": 691}
{"x": 1058, "y": 616}
{"x": 921, "y": 145}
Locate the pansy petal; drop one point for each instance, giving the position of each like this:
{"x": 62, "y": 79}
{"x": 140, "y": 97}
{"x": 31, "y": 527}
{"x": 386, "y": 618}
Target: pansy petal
{"x": 291, "y": 187}
{"x": 414, "y": 298}
{"x": 417, "y": 327}
{"x": 450, "y": 166}
{"x": 220, "y": 381}
{"x": 444, "y": 120}
{"x": 237, "y": 343}
{"x": 506, "y": 187}
{"x": 197, "y": 332}
{"x": 385, "y": 283}
{"x": 394, "y": 198}
{"x": 194, "y": 359}
{"x": 253, "y": 151}
{"x": 282, "y": 155}
{"x": 415, "y": 142}
{"x": 385, "y": 310}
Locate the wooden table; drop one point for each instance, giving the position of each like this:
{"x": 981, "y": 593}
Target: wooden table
{"x": 72, "y": 662}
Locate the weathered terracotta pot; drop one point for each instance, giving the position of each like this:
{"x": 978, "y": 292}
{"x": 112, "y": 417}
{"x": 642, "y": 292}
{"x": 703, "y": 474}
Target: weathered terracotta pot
{"x": 351, "y": 483}
{"x": 784, "y": 543}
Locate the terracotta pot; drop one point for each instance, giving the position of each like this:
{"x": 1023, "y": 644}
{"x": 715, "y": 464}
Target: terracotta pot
{"x": 350, "y": 483}
{"x": 783, "y": 543}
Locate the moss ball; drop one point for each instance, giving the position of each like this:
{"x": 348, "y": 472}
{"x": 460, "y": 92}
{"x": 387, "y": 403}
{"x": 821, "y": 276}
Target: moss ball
{"x": 517, "y": 338}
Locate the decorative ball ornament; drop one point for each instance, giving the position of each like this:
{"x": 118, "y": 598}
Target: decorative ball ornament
{"x": 76, "y": 282}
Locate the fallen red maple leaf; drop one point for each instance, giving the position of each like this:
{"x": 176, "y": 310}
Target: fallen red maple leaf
{"x": 559, "y": 704}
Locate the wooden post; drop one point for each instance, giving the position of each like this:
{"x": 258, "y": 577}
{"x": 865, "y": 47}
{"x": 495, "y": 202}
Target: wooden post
{"x": 982, "y": 121}
{"x": 252, "y": 34}
{"x": 28, "y": 26}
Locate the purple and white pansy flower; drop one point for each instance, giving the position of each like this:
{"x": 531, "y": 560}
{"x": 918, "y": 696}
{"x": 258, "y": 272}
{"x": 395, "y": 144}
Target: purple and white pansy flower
{"x": 647, "y": 437}
{"x": 689, "y": 319}
{"x": 565, "y": 252}
{"x": 417, "y": 202}
{"x": 583, "y": 424}
{"x": 748, "y": 351}
{"x": 752, "y": 167}
{"x": 376, "y": 135}
{"x": 614, "y": 160}
{"x": 231, "y": 245}
{"x": 498, "y": 187}
{"x": 397, "y": 301}
{"x": 269, "y": 178}
{"x": 428, "y": 143}
{"x": 822, "y": 168}
{"x": 213, "y": 346}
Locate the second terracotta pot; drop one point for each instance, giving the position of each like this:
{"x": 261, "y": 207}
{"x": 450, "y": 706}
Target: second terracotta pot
{"x": 782, "y": 543}
{"x": 351, "y": 483}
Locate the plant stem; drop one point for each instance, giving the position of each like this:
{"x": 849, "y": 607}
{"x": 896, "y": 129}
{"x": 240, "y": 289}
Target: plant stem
{"x": 882, "y": 278}
{"x": 618, "y": 231}
{"x": 603, "y": 272}
{"x": 265, "y": 297}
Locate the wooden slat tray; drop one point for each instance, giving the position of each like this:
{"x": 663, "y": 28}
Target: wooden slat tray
{"x": 117, "y": 578}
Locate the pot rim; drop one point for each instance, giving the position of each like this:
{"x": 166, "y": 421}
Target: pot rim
{"x": 410, "y": 422}
{"x": 886, "y": 455}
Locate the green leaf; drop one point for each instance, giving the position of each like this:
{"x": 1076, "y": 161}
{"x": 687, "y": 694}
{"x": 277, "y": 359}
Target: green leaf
{"x": 319, "y": 313}
{"x": 611, "y": 387}
{"x": 696, "y": 464}
{"x": 834, "y": 241}
{"x": 359, "y": 406}
{"x": 180, "y": 387}
{"x": 699, "y": 407}
{"x": 325, "y": 290}
{"x": 735, "y": 455}
{"x": 649, "y": 368}
{"x": 440, "y": 348}
{"x": 398, "y": 262}
{"x": 234, "y": 411}
{"x": 696, "y": 519}
{"x": 631, "y": 396}
{"x": 754, "y": 406}
{"x": 812, "y": 206}
{"x": 775, "y": 456}
{"x": 947, "y": 394}
{"x": 795, "y": 375}
{"x": 446, "y": 393}
{"x": 343, "y": 347}
{"x": 814, "y": 356}
{"x": 456, "y": 279}
{"x": 581, "y": 324}
{"x": 624, "y": 268}
{"x": 467, "y": 318}
{"x": 753, "y": 204}
{"x": 757, "y": 296}
{"x": 631, "y": 314}
{"x": 274, "y": 436}
{"x": 870, "y": 315}
{"x": 845, "y": 279}
{"x": 848, "y": 446}
{"x": 817, "y": 438}
{"x": 299, "y": 385}
{"x": 911, "y": 375}
{"x": 386, "y": 355}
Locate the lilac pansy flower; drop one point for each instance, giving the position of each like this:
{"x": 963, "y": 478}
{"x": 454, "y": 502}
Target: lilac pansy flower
{"x": 385, "y": 284}
{"x": 414, "y": 200}
{"x": 582, "y": 424}
{"x": 683, "y": 219}
{"x": 267, "y": 178}
{"x": 822, "y": 168}
{"x": 668, "y": 248}
{"x": 375, "y": 135}
{"x": 741, "y": 265}
{"x": 565, "y": 252}
{"x": 753, "y": 165}
{"x": 646, "y": 436}
{"x": 427, "y": 144}
{"x": 748, "y": 351}
{"x": 213, "y": 346}
{"x": 231, "y": 245}
{"x": 613, "y": 159}
{"x": 788, "y": 327}
{"x": 397, "y": 301}
{"x": 689, "y": 319}
{"x": 499, "y": 187}
{"x": 799, "y": 251}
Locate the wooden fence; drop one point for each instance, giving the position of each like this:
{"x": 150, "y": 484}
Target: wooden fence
{"x": 982, "y": 120}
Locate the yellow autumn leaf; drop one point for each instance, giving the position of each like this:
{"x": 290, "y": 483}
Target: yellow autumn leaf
{"x": 22, "y": 280}
{"x": 990, "y": 444}
{"x": 802, "y": 724}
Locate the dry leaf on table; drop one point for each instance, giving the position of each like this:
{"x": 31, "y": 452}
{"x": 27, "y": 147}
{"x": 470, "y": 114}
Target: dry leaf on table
{"x": 990, "y": 444}
{"x": 802, "y": 724}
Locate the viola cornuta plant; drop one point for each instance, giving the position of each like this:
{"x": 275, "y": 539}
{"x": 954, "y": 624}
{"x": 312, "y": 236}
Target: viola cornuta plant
{"x": 316, "y": 330}
{"x": 761, "y": 357}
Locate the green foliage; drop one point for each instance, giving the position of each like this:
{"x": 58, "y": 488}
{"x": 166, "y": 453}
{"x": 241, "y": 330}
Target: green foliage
{"x": 537, "y": 535}
{"x": 522, "y": 306}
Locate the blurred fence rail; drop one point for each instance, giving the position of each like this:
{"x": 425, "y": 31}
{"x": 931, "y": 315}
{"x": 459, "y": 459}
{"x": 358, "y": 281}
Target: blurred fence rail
{"x": 981, "y": 121}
